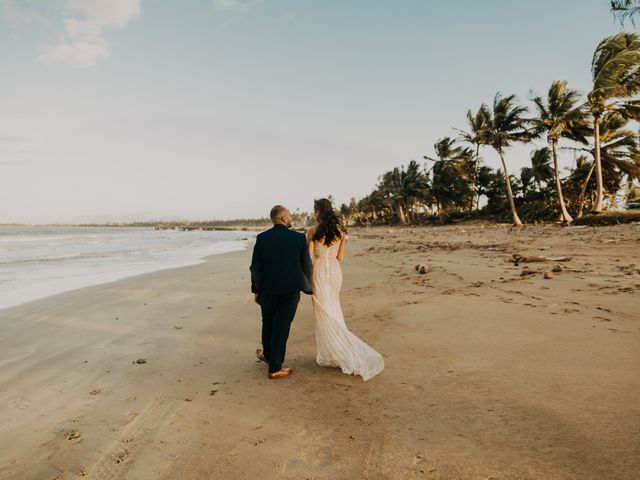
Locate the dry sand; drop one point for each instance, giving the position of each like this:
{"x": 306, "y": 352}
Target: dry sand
{"x": 490, "y": 374}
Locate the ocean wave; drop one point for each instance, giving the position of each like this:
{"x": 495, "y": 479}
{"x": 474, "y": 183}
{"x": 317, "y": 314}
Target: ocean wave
{"x": 60, "y": 258}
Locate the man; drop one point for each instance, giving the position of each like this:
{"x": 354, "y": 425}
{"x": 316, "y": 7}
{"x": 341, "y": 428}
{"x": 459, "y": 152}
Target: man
{"x": 280, "y": 270}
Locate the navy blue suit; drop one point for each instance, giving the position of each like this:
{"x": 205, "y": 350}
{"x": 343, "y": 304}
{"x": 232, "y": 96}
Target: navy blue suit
{"x": 280, "y": 269}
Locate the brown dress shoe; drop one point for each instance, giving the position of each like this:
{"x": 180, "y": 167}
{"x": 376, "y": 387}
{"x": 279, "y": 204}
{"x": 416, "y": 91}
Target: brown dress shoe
{"x": 260, "y": 355}
{"x": 281, "y": 373}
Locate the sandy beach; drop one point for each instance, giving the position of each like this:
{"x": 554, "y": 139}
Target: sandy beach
{"x": 492, "y": 370}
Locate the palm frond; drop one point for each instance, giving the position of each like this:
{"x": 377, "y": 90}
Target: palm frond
{"x": 625, "y": 10}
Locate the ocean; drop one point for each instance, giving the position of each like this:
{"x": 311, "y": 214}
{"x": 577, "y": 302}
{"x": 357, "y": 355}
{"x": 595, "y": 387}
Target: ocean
{"x": 39, "y": 261}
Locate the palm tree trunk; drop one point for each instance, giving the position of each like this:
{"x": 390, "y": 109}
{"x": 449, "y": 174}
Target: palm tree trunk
{"x": 597, "y": 207}
{"x": 401, "y": 214}
{"x": 566, "y": 218}
{"x": 583, "y": 190}
{"x": 516, "y": 220}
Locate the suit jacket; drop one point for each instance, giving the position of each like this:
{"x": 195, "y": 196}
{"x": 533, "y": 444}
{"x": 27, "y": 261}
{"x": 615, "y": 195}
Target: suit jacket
{"x": 281, "y": 263}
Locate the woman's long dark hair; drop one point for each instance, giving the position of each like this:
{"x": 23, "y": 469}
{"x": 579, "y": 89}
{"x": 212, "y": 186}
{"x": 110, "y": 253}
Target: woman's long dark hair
{"x": 329, "y": 227}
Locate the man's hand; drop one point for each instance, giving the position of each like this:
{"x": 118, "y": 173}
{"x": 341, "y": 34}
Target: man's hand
{"x": 256, "y": 298}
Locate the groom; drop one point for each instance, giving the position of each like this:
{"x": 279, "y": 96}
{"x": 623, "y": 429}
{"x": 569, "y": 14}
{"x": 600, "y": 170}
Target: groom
{"x": 280, "y": 270}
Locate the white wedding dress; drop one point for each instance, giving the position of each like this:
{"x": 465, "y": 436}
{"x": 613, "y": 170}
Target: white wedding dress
{"x": 336, "y": 345}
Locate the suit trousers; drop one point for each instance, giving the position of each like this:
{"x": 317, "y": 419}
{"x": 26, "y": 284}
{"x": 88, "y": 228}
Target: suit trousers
{"x": 277, "y": 314}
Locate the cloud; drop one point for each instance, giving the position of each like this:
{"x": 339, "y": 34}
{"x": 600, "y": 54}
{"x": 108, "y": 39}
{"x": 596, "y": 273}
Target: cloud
{"x": 22, "y": 14}
{"x": 83, "y": 44}
{"x": 234, "y": 5}
{"x": 78, "y": 54}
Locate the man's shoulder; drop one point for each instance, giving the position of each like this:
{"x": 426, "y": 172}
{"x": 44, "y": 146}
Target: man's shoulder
{"x": 261, "y": 238}
{"x": 264, "y": 233}
{"x": 281, "y": 234}
{"x": 297, "y": 235}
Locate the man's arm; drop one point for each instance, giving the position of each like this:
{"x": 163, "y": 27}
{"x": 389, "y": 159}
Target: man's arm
{"x": 256, "y": 269}
{"x": 305, "y": 260}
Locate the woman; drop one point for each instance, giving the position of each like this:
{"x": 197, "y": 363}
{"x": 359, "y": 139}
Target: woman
{"x": 336, "y": 345}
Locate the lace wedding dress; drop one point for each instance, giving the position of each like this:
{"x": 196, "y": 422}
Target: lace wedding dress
{"x": 336, "y": 345}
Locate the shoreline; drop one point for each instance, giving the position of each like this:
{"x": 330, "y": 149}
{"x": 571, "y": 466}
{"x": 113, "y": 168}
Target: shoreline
{"x": 62, "y": 284}
{"x": 489, "y": 372}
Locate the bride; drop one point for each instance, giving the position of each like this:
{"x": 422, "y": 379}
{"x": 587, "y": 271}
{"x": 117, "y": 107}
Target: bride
{"x": 336, "y": 345}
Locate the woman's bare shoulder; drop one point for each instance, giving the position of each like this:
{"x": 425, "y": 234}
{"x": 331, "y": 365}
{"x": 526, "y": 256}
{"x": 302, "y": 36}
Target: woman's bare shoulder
{"x": 310, "y": 232}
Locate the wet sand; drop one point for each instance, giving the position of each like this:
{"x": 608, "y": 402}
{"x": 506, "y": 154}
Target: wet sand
{"x": 491, "y": 373}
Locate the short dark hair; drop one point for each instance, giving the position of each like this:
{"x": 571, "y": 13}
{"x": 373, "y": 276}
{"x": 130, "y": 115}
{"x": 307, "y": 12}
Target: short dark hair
{"x": 276, "y": 212}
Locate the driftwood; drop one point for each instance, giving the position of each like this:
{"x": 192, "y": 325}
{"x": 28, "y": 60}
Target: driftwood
{"x": 517, "y": 258}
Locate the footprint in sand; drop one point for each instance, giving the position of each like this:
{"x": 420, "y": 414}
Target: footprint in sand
{"x": 505, "y": 300}
{"x": 113, "y": 463}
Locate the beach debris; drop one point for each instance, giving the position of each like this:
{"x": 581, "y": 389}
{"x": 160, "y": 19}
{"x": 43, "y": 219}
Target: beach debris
{"x": 141, "y": 361}
{"x": 421, "y": 268}
{"x": 95, "y": 391}
{"x": 556, "y": 269}
{"x": 213, "y": 392}
{"x": 73, "y": 435}
{"x": 526, "y": 271}
{"x": 82, "y": 472}
{"x": 516, "y": 258}
{"x": 548, "y": 275}
{"x": 188, "y": 399}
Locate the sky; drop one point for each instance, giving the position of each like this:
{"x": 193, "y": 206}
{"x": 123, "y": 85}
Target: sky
{"x": 122, "y": 110}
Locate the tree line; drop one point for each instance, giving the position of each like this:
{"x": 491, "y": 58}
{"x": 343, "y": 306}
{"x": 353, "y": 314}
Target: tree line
{"x": 600, "y": 130}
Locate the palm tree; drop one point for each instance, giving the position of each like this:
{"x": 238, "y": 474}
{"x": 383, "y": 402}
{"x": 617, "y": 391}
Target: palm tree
{"x": 403, "y": 189}
{"x": 619, "y": 153}
{"x": 623, "y": 9}
{"x": 506, "y": 124}
{"x": 541, "y": 166}
{"x": 348, "y": 211}
{"x": 477, "y": 137}
{"x": 526, "y": 177}
{"x": 579, "y": 180}
{"x": 390, "y": 187}
{"x": 483, "y": 183}
{"x": 372, "y": 206}
{"x": 452, "y": 172}
{"x": 616, "y": 81}
{"x": 561, "y": 115}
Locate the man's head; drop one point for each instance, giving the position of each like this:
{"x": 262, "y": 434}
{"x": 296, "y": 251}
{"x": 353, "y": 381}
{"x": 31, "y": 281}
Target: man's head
{"x": 281, "y": 216}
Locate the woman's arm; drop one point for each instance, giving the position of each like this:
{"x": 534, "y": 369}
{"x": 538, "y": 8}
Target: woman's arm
{"x": 310, "y": 242}
{"x": 343, "y": 245}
